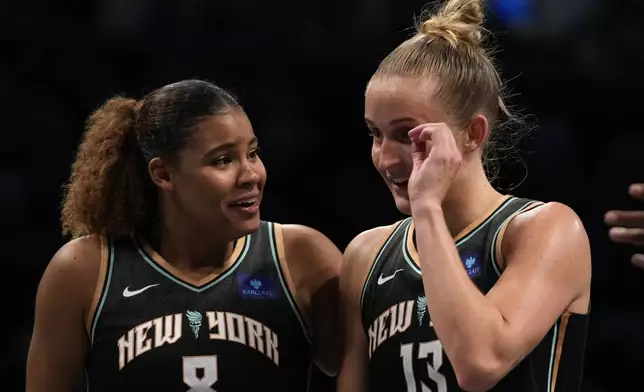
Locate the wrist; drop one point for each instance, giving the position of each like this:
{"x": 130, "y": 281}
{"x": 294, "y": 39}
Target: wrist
{"x": 426, "y": 209}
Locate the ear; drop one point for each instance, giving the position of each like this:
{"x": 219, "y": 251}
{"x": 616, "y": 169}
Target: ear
{"x": 160, "y": 174}
{"x": 476, "y": 133}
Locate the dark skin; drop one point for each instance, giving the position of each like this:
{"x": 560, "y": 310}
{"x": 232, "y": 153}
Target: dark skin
{"x": 218, "y": 166}
{"x": 627, "y": 227}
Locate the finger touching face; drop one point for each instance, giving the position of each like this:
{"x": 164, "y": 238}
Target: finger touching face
{"x": 393, "y": 107}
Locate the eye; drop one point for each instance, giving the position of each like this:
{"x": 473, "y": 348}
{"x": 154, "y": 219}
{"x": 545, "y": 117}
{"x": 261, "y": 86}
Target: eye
{"x": 223, "y": 161}
{"x": 402, "y": 135}
{"x": 375, "y": 133}
{"x": 254, "y": 154}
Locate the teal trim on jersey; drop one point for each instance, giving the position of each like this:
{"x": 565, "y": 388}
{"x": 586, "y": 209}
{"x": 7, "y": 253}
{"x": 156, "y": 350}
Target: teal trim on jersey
{"x": 106, "y": 286}
{"x": 487, "y": 220}
{"x": 309, "y": 376}
{"x": 406, "y": 254}
{"x": 555, "y": 335}
{"x": 462, "y": 240}
{"x": 280, "y": 273}
{"x": 377, "y": 259}
{"x": 495, "y": 264}
{"x": 189, "y": 286}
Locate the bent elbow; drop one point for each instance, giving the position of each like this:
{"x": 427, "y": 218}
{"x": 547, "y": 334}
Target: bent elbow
{"x": 330, "y": 370}
{"x": 477, "y": 374}
{"x": 329, "y": 364}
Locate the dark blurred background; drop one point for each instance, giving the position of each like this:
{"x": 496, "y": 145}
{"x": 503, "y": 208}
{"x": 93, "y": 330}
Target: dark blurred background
{"x": 300, "y": 69}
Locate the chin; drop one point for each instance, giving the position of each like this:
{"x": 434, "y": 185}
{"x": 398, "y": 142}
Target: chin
{"x": 247, "y": 226}
{"x": 403, "y": 204}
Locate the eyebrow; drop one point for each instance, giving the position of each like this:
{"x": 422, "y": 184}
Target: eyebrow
{"x": 399, "y": 120}
{"x": 395, "y": 121}
{"x": 228, "y": 146}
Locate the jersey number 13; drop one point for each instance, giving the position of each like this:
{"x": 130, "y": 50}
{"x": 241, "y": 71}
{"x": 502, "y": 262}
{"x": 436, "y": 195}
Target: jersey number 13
{"x": 425, "y": 349}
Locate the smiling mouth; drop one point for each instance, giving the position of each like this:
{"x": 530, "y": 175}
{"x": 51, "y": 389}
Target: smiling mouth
{"x": 245, "y": 203}
{"x": 400, "y": 182}
{"x": 247, "y": 207}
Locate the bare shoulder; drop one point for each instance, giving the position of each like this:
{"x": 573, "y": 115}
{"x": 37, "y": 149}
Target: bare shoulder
{"x": 554, "y": 220}
{"x": 361, "y": 253}
{"x": 553, "y": 240}
{"x": 77, "y": 258}
{"x": 300, "y": 236}
{"x": 72, "y": 274}
{"x": 60, "y": 339}
{"x": 314, "y": 266}
{"x": 304, "y": 242}
{"x": 365, "y": 242}
{"x": 311, "y": 258}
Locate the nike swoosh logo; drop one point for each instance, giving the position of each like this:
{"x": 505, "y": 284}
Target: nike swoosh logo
{"x": 127, "y": 293}
{"x": 382, "y": 280}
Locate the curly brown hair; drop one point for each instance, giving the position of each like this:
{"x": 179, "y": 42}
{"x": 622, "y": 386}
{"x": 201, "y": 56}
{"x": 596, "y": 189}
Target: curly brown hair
{"x": 110, "y": 190}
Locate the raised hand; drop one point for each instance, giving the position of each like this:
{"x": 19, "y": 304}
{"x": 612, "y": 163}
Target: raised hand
{"x": 436, "y": 162}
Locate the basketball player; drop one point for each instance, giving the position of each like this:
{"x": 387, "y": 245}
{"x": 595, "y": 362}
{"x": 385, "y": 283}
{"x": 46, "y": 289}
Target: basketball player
{"x": 628, "y": 226}
{"x": 172, "y": 282}
{"x": 475, "y": 291}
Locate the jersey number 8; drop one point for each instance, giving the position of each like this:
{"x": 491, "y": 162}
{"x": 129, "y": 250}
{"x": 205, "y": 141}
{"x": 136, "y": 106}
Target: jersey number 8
{"x": 435, "y": 348}
{"x": 207, "y": 364}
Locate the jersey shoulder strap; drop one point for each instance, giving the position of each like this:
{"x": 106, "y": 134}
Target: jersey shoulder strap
{"x": 520, "y": 206}
{"x": 394, "y": 235}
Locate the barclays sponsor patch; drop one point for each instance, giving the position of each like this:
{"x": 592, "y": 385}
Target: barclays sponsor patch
{"x": 257, "y": 287}
{"x": 472, "y": 263}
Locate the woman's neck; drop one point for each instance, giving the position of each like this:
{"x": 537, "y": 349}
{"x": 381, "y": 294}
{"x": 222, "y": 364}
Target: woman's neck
{"x": 187, "y": 247}
{"x": 470, "y": 197}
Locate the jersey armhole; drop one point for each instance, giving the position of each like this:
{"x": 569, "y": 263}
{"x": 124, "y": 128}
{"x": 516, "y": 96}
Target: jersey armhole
{"x": 559, "y": 334}
{"x": 279, "y": 256}
{"x": 102, "y": 284}
{"x": 374, "y": 257}
{"x": 498, "y": 262}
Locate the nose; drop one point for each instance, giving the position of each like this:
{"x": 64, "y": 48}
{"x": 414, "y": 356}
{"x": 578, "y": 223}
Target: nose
{"x": 248, "y": 177}
{"x": 390, "y": 155}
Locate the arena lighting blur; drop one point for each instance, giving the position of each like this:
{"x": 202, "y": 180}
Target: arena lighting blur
{"x": 546, "y": 19}
{"x": 513, "y": 13}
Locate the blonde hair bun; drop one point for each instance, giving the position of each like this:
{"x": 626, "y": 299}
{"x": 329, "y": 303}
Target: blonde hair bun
{"x": 457, "y": 21}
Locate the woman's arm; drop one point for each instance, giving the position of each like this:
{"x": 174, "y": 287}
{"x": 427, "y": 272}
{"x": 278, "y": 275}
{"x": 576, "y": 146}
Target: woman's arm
{"x": 547, "y": 257}
{"x": 59, "y": 342}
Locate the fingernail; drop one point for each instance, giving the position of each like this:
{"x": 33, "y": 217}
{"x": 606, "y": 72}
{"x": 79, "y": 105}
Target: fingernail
{"x": 638, "y": 260}
{"x": 617, "y": 231}
{"x": 610, "y": 216}
{"x": 636, "y": 189}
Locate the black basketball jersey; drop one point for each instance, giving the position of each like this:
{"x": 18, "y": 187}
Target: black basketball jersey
{"x": 239, "y": 331}
{"x": 405, "y": 353}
